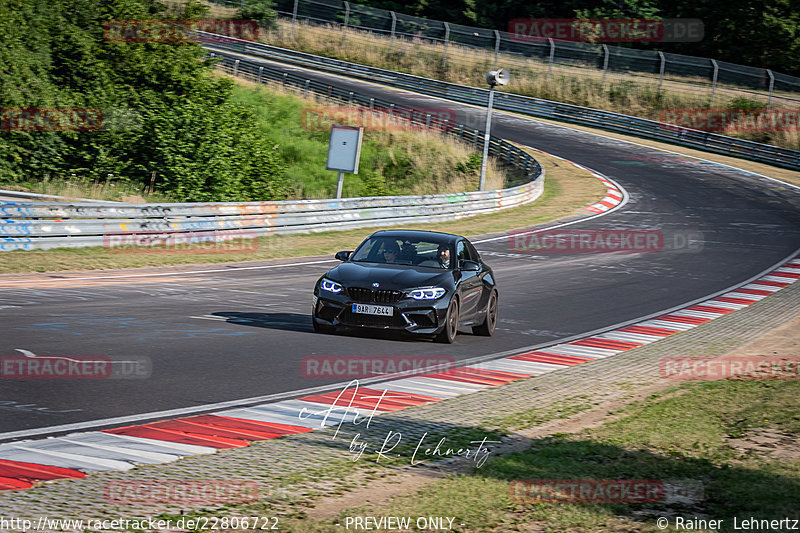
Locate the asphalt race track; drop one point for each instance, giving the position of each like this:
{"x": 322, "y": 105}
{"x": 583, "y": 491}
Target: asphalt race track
{"x": 237, "y": 333}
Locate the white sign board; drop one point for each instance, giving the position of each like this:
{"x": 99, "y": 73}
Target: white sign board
{"x": 344, "y": 149}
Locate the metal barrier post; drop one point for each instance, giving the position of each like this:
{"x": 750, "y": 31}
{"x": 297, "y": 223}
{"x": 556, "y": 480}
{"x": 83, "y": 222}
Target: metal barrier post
{"x": 260, "y": 72}
{"x": 605, "y": 64}
{"x": 446, "y": 39}
{"x": 552, "y": 56}
{"x": 661, "y": 70}
{"x": 294, "y": 17}
{"x": 394, "y": 24}
{"x": 714, "y": 83}
{"x": 346, "y": 20}
{"x": 496, "y": 47}
{"x": 305, "y": 91}
{"x": 236, "y": 68}
{"x": 771, "y": 86}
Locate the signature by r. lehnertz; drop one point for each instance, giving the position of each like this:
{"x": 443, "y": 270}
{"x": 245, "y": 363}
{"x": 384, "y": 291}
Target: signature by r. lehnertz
{"x": 342, "y": 409}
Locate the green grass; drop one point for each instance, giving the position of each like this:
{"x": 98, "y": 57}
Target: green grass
{"x": 718, "y": 410}
{"x": 536, "y": 416}
{"x": 392, "y": 162}
{"x": 680, "y": 438}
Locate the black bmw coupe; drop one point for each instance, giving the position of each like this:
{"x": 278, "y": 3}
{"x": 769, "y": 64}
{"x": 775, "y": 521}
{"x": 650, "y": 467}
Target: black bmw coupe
{"x": 420, "y": 282}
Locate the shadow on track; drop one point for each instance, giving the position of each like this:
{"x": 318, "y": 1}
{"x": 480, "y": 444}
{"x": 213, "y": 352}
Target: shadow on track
{"x": 281, "y": 321}
{"x": 302, "y": 323}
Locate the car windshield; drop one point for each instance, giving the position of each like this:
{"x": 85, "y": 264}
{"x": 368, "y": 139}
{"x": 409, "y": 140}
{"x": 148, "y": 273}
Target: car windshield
{"x": 404, "y": 251}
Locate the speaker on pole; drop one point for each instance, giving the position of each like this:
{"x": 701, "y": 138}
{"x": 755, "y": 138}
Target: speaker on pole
{"x": 498, "y": 77}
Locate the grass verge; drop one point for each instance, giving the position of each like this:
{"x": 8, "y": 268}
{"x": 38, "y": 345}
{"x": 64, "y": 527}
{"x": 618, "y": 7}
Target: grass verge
{"x": 693, "y": 439}
{"x": 536, "y": 416}
{"x": 567, "y": 190}
{"x": 634, "y": 94}
{"x": 394, "y": 160}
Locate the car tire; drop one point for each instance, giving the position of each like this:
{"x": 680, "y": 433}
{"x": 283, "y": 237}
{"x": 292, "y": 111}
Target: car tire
{"x": 490, "y": 322}
{"x": 448, "y": 334}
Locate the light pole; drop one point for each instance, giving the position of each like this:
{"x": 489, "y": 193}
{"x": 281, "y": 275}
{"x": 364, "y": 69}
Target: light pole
{"x": 494, "y": 77}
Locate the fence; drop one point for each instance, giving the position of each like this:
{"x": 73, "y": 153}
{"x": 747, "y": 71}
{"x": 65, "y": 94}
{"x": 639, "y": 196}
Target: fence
{"x": 43, "y": 225}
{"x": 506, "y": 101}
{"x": 687, "y": 74}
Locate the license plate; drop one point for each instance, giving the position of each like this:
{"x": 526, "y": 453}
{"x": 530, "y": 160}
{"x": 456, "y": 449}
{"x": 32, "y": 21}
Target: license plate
{"x": 367, "y": 309}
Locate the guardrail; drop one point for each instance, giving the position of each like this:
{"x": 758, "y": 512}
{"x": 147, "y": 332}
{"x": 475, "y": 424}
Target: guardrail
{"x": 711, "y": 142}
{"x": 682, "y": 73}
{"x": 37, "y": 196}
{"x": 40, "y": 225}
{"x": 44, "y": 225}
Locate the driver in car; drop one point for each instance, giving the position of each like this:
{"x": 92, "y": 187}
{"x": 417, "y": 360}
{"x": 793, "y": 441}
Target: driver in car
{"x": 390, "y": 253}
{"x": 443, "y": 256}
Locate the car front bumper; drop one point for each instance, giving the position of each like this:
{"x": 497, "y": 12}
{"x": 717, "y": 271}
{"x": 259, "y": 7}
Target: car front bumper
{"x": 419, "y": 317}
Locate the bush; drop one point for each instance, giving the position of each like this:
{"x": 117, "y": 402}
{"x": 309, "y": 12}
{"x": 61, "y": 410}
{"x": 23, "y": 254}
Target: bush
{"x": 742, "y": 102}
{"x": 262, "y": 11}
{"x": 170, "y": 115}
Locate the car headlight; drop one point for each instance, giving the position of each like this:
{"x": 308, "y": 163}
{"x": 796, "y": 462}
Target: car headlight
{"x": 330, "y": 286}
{"x": 432, "y": 293}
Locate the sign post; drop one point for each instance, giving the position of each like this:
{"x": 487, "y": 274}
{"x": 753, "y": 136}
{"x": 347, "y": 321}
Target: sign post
{"x": 493, "y": 78}
{"x": 344, "y": 152}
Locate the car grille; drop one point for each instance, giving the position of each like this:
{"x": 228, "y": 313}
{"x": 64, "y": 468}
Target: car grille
{"x": 358, "y": 294}
{"x": 371, "y": 321}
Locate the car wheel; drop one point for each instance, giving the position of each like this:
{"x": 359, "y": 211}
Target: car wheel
{"x": 448, "y": 334}
{"x": 490, "y": 322}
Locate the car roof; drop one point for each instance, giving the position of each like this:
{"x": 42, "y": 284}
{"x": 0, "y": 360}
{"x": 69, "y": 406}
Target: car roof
{"x": 417, "y": 235}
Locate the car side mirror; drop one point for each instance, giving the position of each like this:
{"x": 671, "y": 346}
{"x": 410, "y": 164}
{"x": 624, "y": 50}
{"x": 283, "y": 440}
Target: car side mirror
{"x": 470, "y": 266}
{"x": 344, "y": 255}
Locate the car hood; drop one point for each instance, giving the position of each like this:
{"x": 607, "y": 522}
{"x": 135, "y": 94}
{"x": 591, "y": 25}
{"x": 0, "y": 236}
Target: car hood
{"x": 390, "y": 277}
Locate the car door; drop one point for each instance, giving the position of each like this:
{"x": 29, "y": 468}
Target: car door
{"x": 471, "y": 284}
